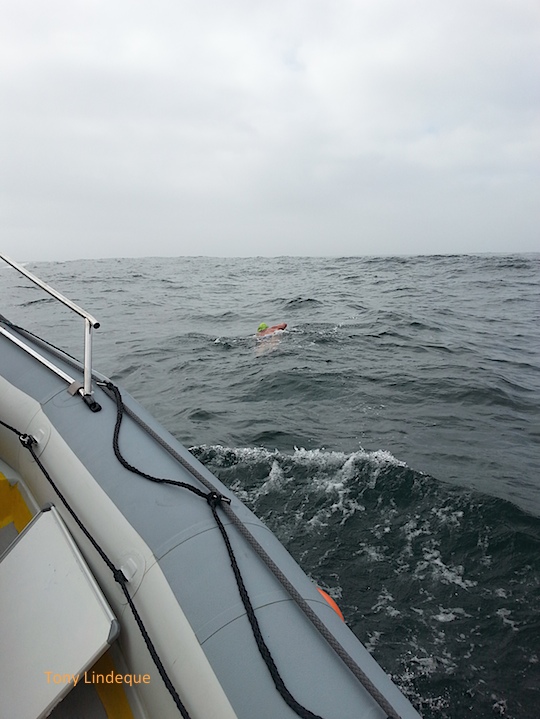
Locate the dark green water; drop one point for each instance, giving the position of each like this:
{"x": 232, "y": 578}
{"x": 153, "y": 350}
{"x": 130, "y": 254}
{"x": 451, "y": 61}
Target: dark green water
{"x": 390, "y": 437}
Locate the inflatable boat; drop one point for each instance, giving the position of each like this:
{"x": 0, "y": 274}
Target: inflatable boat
{"x": 133, "y": 583}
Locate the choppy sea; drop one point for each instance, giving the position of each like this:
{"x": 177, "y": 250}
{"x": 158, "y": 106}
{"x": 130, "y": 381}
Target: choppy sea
{"x": 390, "y": 436}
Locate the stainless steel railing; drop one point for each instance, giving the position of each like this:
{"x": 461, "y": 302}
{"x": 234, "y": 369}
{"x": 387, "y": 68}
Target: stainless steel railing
{"x": 90, "y": 323}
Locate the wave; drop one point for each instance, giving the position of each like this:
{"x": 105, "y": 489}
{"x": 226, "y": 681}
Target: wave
{"x": 433, "y": 578}
{"x": 40, "y": 301}
{"x": 300, "y": 302}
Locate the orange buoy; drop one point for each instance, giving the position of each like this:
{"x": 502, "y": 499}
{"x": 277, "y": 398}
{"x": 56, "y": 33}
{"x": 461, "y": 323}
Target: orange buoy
{"x": 331, "y": 602}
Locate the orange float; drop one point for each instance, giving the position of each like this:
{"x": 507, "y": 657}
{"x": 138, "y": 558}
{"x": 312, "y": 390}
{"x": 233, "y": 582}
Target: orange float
{"x": 331, "y": 602}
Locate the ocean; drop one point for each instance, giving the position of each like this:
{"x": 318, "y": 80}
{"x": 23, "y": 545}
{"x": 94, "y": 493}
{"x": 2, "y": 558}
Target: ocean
{"x": 389, "y": 436}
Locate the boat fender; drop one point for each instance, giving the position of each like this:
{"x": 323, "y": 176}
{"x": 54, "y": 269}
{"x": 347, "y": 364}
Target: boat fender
{"x": 332, "y": 603}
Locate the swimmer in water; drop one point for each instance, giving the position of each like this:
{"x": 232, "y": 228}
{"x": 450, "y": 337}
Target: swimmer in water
{"x": 263, "y": 329}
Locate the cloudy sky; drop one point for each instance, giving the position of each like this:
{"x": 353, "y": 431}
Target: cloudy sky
{"x": 268, "y": 127}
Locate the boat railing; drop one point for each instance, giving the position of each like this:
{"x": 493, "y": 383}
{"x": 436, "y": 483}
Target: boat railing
{"x": 90, "y": 323}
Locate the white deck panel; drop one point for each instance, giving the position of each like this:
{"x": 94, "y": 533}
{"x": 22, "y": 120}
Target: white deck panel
{"x": 53, "y": 618}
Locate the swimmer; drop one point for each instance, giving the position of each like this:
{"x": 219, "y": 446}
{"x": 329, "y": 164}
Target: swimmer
{"x": 263, "y": 330}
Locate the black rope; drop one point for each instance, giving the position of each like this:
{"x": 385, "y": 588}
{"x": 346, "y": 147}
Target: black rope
{"x": 7, "y": 426}
{"x": 28, "y": 442}
{"x": 300, "y": 710}
{"x": 119, "y": 456}
{"x": 349, "y": 662}
{"x": 312, "y": 616}
{"x": 214, "y": 499}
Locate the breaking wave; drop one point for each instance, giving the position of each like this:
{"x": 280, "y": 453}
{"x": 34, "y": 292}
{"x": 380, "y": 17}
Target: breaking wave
{"x": 407, "y": 557}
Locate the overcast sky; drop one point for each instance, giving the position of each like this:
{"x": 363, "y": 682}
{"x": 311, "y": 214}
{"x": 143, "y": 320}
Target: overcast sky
{"x": 268, "y": 127}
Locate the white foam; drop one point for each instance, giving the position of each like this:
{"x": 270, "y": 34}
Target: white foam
{"x": 447, "y": 574}
{"x": 276, "y": 479}
{"x": 447, "y": 515}
{"x": 505, "y": 614}
{"x": 372, "y": 641}
{"x": 450, "y": 614}
{"x": 320, "y": 458}
{"x": 383, "y": 604}
{"x": 499, "y": 706}
{"x": 413, "y": 529}
{"x": 331, "y": 476}
{"x": 374, "y": 554}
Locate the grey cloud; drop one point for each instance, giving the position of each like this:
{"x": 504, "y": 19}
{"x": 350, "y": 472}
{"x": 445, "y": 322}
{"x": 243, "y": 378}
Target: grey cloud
{"x": 269, "y": 128}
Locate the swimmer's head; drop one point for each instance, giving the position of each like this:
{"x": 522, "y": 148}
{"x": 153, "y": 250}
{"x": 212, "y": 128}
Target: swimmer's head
{"x": 262, "y": 326}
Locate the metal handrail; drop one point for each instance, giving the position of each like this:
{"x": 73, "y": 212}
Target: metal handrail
{"x": 90, "y": 322}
